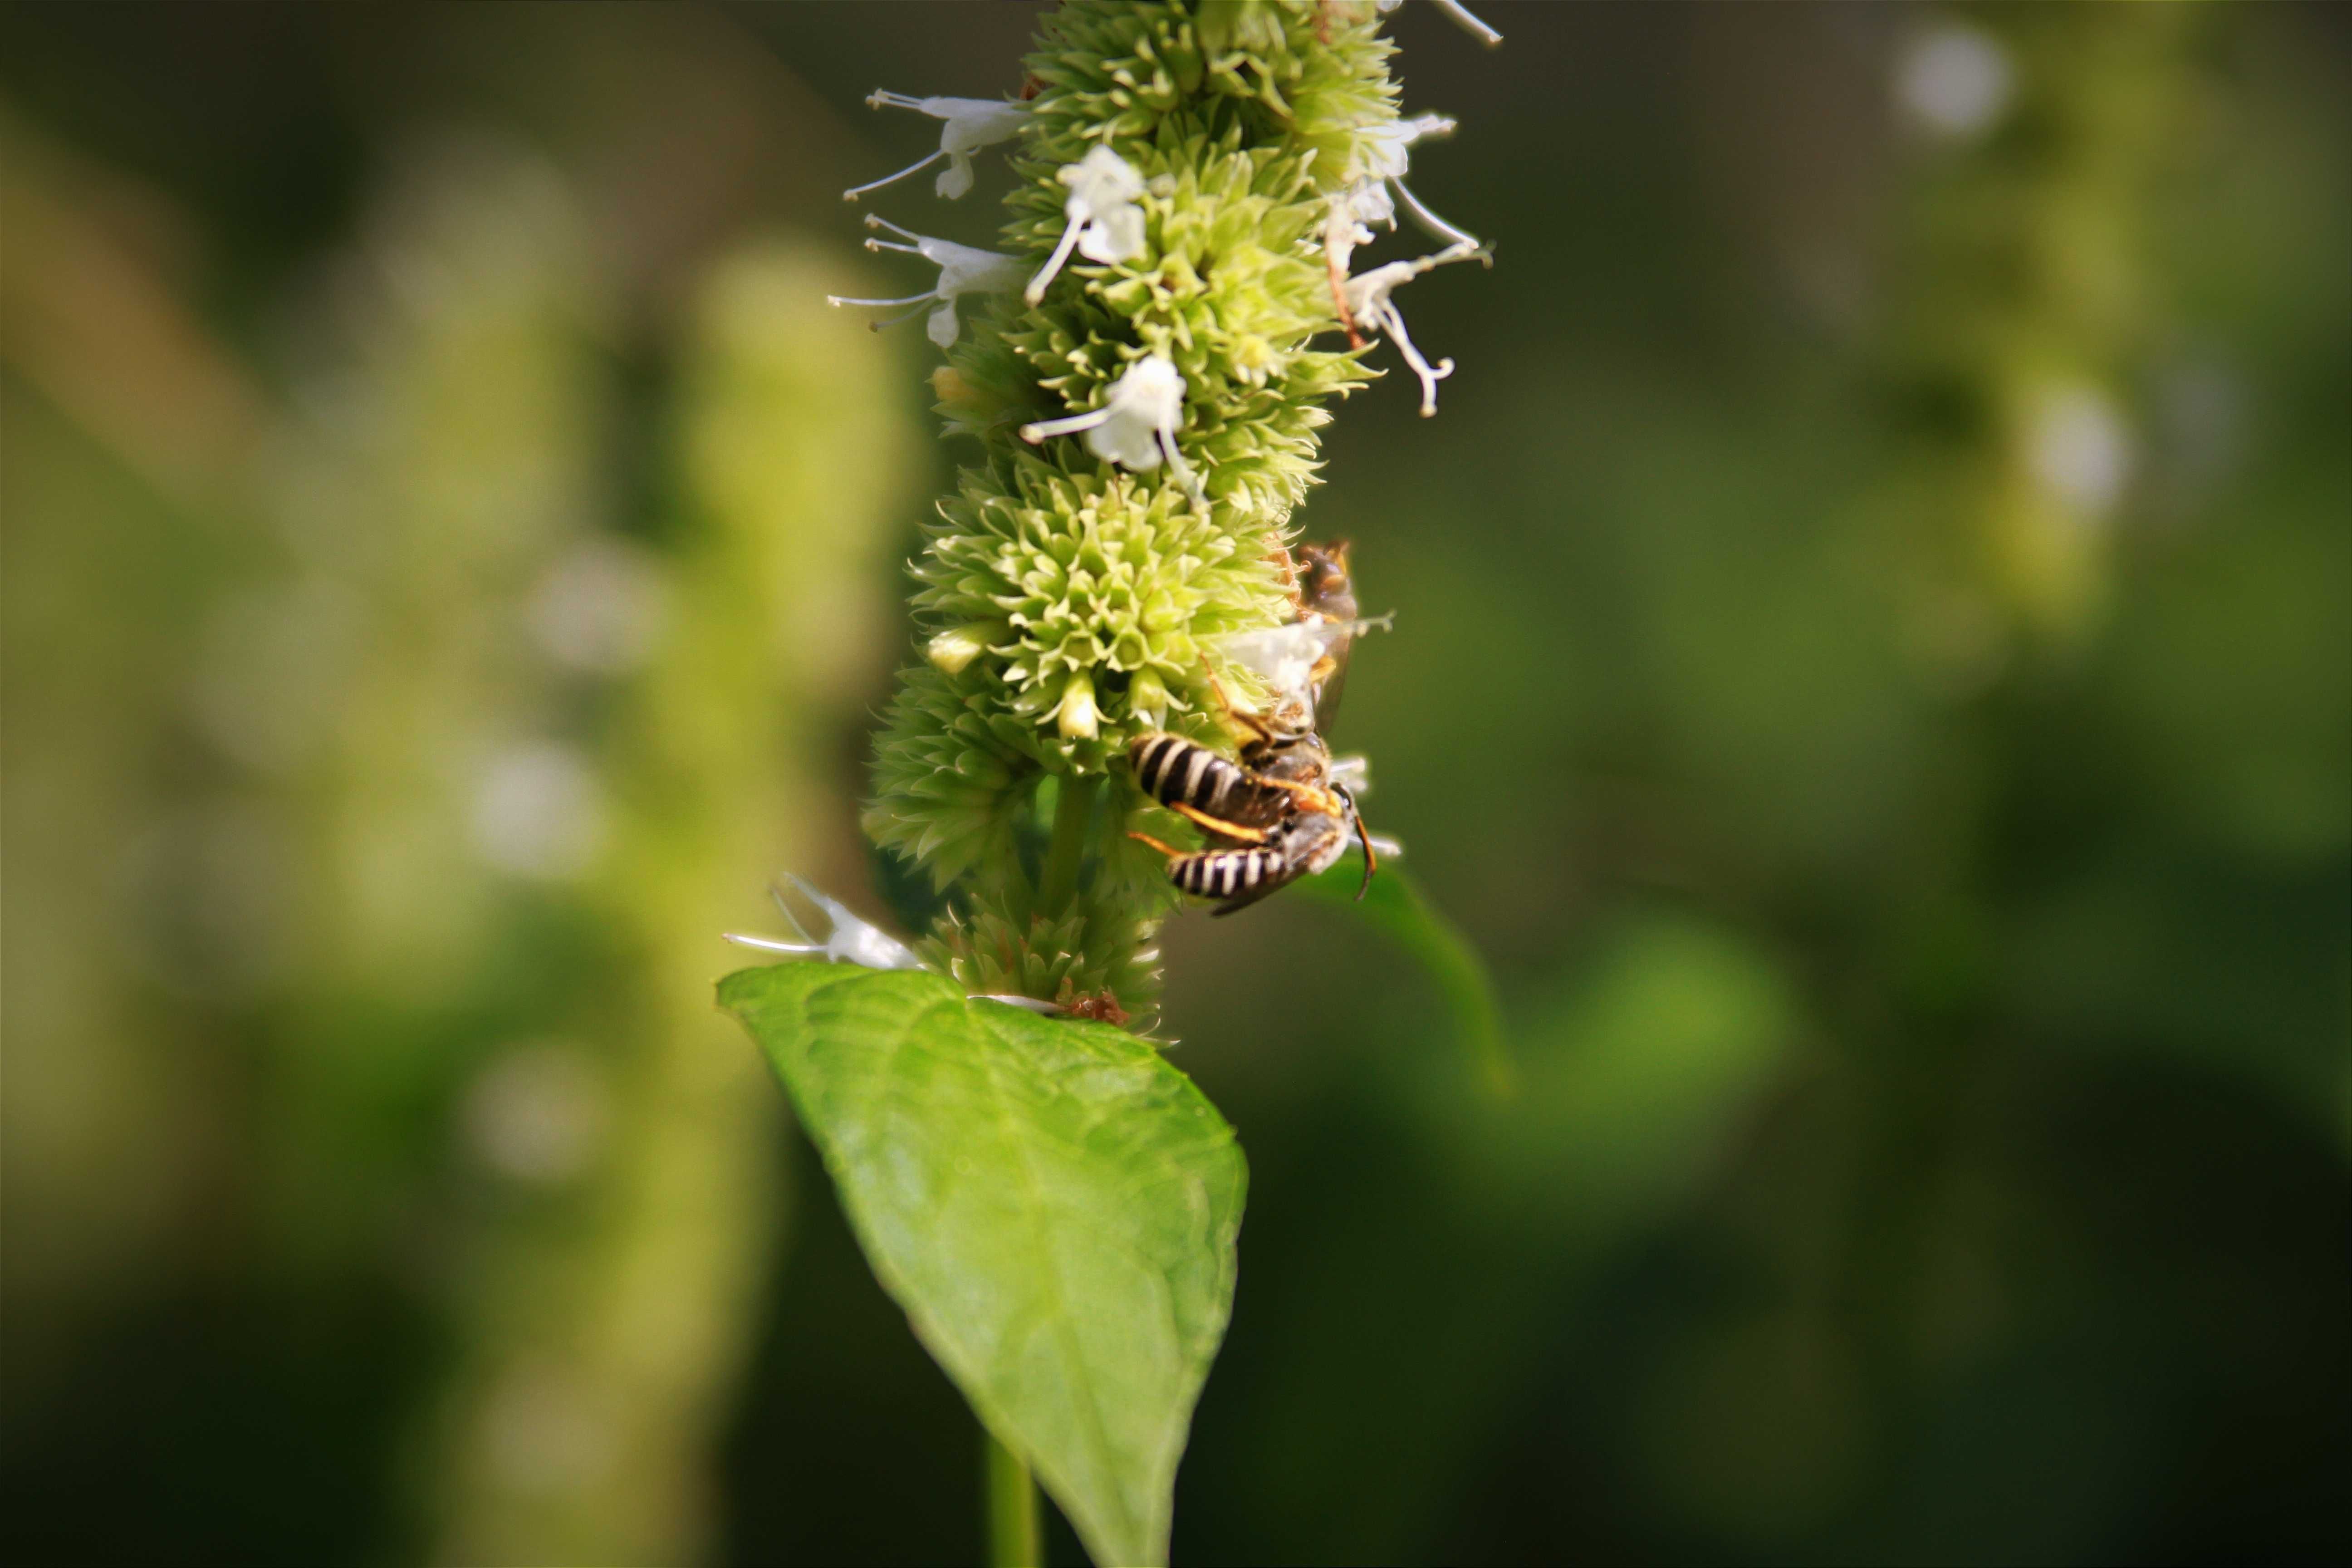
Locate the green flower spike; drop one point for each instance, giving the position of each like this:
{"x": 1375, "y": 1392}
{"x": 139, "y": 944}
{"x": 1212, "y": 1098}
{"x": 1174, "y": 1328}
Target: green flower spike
{"x": 1195, "y": 175}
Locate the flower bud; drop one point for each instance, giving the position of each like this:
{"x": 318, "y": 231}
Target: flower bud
{"x": 957, "y": 646}
{"x": 1076, "y": 717}
{"x": 1148, "y": 697}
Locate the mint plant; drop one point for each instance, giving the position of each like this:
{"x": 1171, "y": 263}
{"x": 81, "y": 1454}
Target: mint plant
{"x": 1144, "y": 363}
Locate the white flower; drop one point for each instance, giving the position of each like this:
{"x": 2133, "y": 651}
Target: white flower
{"x": 1380, "y": 163}
{"x": 848, "y": 939}
{"x": 1461, "y": 16}
{"x": 854, "y": 940}
{"x": 1382, "y": 149}
{"x": 963, "y": 270}
{"x": 1368, "y": 304}
{"x": 1105, "y": 223}
{"x": 1286, "y": 655}
{"x": 972, "y": 124}
{"x": 1137, "y": 424}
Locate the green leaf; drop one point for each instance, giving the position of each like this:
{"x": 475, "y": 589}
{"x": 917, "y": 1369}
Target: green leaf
{"x": 1393, "y": 904}
{"x": 1054, "y": 1207}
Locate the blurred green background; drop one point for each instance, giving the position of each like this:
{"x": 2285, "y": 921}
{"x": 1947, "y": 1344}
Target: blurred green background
{"x": 1872, "y": 673}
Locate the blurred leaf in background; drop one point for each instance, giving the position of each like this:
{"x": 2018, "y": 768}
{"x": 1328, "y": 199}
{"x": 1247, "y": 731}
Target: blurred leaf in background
{"x": 479, "y": 745}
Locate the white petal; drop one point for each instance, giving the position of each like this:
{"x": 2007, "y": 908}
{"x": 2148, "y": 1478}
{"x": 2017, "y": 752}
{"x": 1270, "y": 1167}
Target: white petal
{"x": 1116, "y": 235}
{"x": 1130, "y": 443}
{"x": 981, "y": 123}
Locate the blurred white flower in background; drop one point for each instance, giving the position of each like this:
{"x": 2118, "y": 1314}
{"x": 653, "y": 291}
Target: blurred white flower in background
{"x": 537, "y": 1112}
{"x": 1955, "y": 81}
{"x": 598, "y": 608}
{"x": 538, "y": 811}
{"x": 542, "y": 1433}
{"x": 2081, "y": 449}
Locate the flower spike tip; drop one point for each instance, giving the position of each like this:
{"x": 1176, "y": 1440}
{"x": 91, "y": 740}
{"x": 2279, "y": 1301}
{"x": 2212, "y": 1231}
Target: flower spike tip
{"x": 972, "y": 124}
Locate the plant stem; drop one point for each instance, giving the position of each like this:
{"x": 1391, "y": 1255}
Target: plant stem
{"x": 1012, "y": 1509}
{"x": 1059, "y": 883}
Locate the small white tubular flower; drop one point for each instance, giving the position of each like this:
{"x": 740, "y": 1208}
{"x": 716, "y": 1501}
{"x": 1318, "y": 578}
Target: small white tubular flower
{"x": 1382, "y": 151}
{"x": 1104, "y": 225}
{"x": 848, "y": 939}
{"x": 1369, "y": 305}
{"x": 963, "y": 270}
{"x": 972, "y": 124}
{"x": 1382, "y": 160}
{"x": 854, "y": 940}
{"x": 1136, "y": 425}
{"x": 1459, "y": 14}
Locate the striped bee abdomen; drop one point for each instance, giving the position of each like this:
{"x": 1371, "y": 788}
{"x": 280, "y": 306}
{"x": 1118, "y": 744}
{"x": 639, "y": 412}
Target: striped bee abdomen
{"x": 1229, "y": 873}
{"x": 1175, "y": 770}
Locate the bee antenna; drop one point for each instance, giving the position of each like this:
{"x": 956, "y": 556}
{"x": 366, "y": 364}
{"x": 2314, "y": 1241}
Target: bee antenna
{"x": 1364, "y": 835}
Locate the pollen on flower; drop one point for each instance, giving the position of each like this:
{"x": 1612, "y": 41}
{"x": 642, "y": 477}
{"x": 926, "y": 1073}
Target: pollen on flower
{"x": 963, "y": 270}
{"x": 972, "y": 124}
{"x": 1105, "y": 223}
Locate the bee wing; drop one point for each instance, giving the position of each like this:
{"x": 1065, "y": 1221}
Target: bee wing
{"x": 1244, "y": 898}
{"x": 1327, "y": 696}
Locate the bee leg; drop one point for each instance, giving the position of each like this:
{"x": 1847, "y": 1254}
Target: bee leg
{"x": 1165, "y": 850}
{"x": 1240, "y": 718}
{"x": 1289, "y": 576}
{"x": 1315, "y": 797}
{"x": 1215, "y": 825}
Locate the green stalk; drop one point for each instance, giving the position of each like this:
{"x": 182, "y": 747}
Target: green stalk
{"x": 1059, "y": 883}
{"x": 1012, "y": 1509}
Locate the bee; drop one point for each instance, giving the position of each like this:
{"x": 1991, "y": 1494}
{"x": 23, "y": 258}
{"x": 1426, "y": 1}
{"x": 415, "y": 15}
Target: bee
{"x": 1327, "y": 590}
{"x": 1305, "y": 660}
{"x": 1274, "y": 817}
